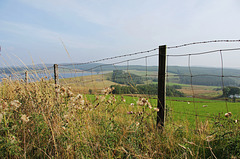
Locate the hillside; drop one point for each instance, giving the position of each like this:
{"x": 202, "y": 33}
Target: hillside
{"x": 178, "y": 74}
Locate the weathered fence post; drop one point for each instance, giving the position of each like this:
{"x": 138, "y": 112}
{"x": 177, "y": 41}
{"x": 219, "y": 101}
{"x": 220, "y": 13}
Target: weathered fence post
{"x": 161, "y": 86}
{"x": 26, "y": 77}
{"x": 56, "y": 77}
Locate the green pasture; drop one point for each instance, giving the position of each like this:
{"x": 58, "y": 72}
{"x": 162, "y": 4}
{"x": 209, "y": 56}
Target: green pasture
{"x": 186, "y": 108}
{"x": 208, "y": 110}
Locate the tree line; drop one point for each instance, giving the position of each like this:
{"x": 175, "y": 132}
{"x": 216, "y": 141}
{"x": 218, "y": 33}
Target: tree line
{"x": 121, "y": 77}
{"x": 151, "y": 89}
{"x": 227, "y": 91}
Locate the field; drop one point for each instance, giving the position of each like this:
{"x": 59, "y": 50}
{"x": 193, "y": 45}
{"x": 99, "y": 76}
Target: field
{"x": 44, "y": 120}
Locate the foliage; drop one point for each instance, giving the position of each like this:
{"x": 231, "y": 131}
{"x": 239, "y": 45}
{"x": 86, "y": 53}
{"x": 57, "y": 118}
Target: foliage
{"x": 226, "y": 137}
{"x": 44, "y": 120}
{"x": 122, "y": 77}
{"x": 227, "y": 91}
{"x": 151, "y": 89}
{"x": 207, "y": 81}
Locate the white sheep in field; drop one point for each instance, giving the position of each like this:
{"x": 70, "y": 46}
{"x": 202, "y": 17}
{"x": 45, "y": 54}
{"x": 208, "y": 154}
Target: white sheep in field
{"x": 229, "y": 114}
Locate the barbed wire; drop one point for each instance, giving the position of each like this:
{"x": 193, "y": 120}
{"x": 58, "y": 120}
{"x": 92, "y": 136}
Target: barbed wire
{"x": 206, "y": 52}
{"x": 151, "y": 50}
{"x": 190, "y": 73}
{"x": 114, "y": 57}
{"x": 114, "y": 63}
{"x": 202, "y": 42}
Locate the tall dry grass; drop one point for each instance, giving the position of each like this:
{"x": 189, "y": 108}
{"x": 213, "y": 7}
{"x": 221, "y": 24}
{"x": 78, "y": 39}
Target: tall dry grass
{"x": 44, "y": 120}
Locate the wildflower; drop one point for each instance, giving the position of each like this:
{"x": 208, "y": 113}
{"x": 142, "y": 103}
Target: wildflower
{"x": 130, "y": 112}
{"x": 109, "y": 89}
{"x": 114, "y": 99}
{"x": 103, "y": 91}
{"x": 66, "y": 116}
{"x": 140, "y": 103}
{"x": 106, "y": 91}
{"x": 4, "y": 105}
{"x": 15, "y": 104}
{"x": 149, "y": 105}
{"x": 25, "y": 118}
{"x": 57, "y": 90}
{"x": 144, "y": 100}
{"x": 102, "y": 98}
{"x": 230, "y": 113}
{"x": 124, "y": 100}
{"x": 188, "y": 102}
{"x": 69, "y": 93}
{"x": 132, "y": 104}
{"x": 79, "y": 96}
{"x": 156, "y": 109}
{"x": 82, "y": 102}
{"x": 97, "y": 97}
{"x": 137, "y": 123}
{"x": 63, "y": 89}
{"x": 12, "y": 139}
{"x": 236, "y": 121}
{"x": 56, "y": 85}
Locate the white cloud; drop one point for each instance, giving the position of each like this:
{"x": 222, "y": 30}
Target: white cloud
{"x": 67, "y": 8}
{"x": 27, "y": 31}
{"x": 132, "y": 25}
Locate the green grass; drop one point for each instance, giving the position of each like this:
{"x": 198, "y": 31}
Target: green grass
{"x": 183, "y": 108}
{"x": 204, "y": 110}
{"x": 44, "y": 120}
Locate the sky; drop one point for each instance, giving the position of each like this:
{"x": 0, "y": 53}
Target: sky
{"x": 39, "y": 31}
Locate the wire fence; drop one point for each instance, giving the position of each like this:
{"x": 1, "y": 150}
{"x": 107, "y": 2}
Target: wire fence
{"x": 193, "y": 93}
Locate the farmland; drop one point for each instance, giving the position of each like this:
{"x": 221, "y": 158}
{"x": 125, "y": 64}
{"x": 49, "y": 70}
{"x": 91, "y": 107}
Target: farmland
{"x": 43, "y": 120}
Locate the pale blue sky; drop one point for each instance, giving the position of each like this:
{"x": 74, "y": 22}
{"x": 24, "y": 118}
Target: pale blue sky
{"x": 94, "y": 29}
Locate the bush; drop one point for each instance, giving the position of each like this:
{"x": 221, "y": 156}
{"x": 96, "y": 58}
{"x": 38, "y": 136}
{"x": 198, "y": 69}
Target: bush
{"x": 151, "y": 89}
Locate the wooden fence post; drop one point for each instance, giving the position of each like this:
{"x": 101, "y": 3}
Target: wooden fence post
{"x": 56, "y": 76}
{"x": 26, "y": 77}
{"x": 161, "y": 86}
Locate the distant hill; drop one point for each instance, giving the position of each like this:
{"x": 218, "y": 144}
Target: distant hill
{"x": 207, "y": 76}
{"x": 12, "y": 69}
{"x": 201, "y": 75}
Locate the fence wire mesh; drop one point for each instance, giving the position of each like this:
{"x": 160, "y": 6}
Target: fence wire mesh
{"x": 193, "y": 93}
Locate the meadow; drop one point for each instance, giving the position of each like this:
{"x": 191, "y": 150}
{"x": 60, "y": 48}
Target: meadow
{"x": 44, "y": 120}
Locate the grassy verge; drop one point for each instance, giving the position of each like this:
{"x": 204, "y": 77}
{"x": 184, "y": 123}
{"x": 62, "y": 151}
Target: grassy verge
{"x": 43, "y": 120}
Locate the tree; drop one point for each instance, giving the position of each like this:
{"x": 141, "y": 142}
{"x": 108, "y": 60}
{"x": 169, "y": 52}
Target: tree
{"x": 227, "y": 91}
